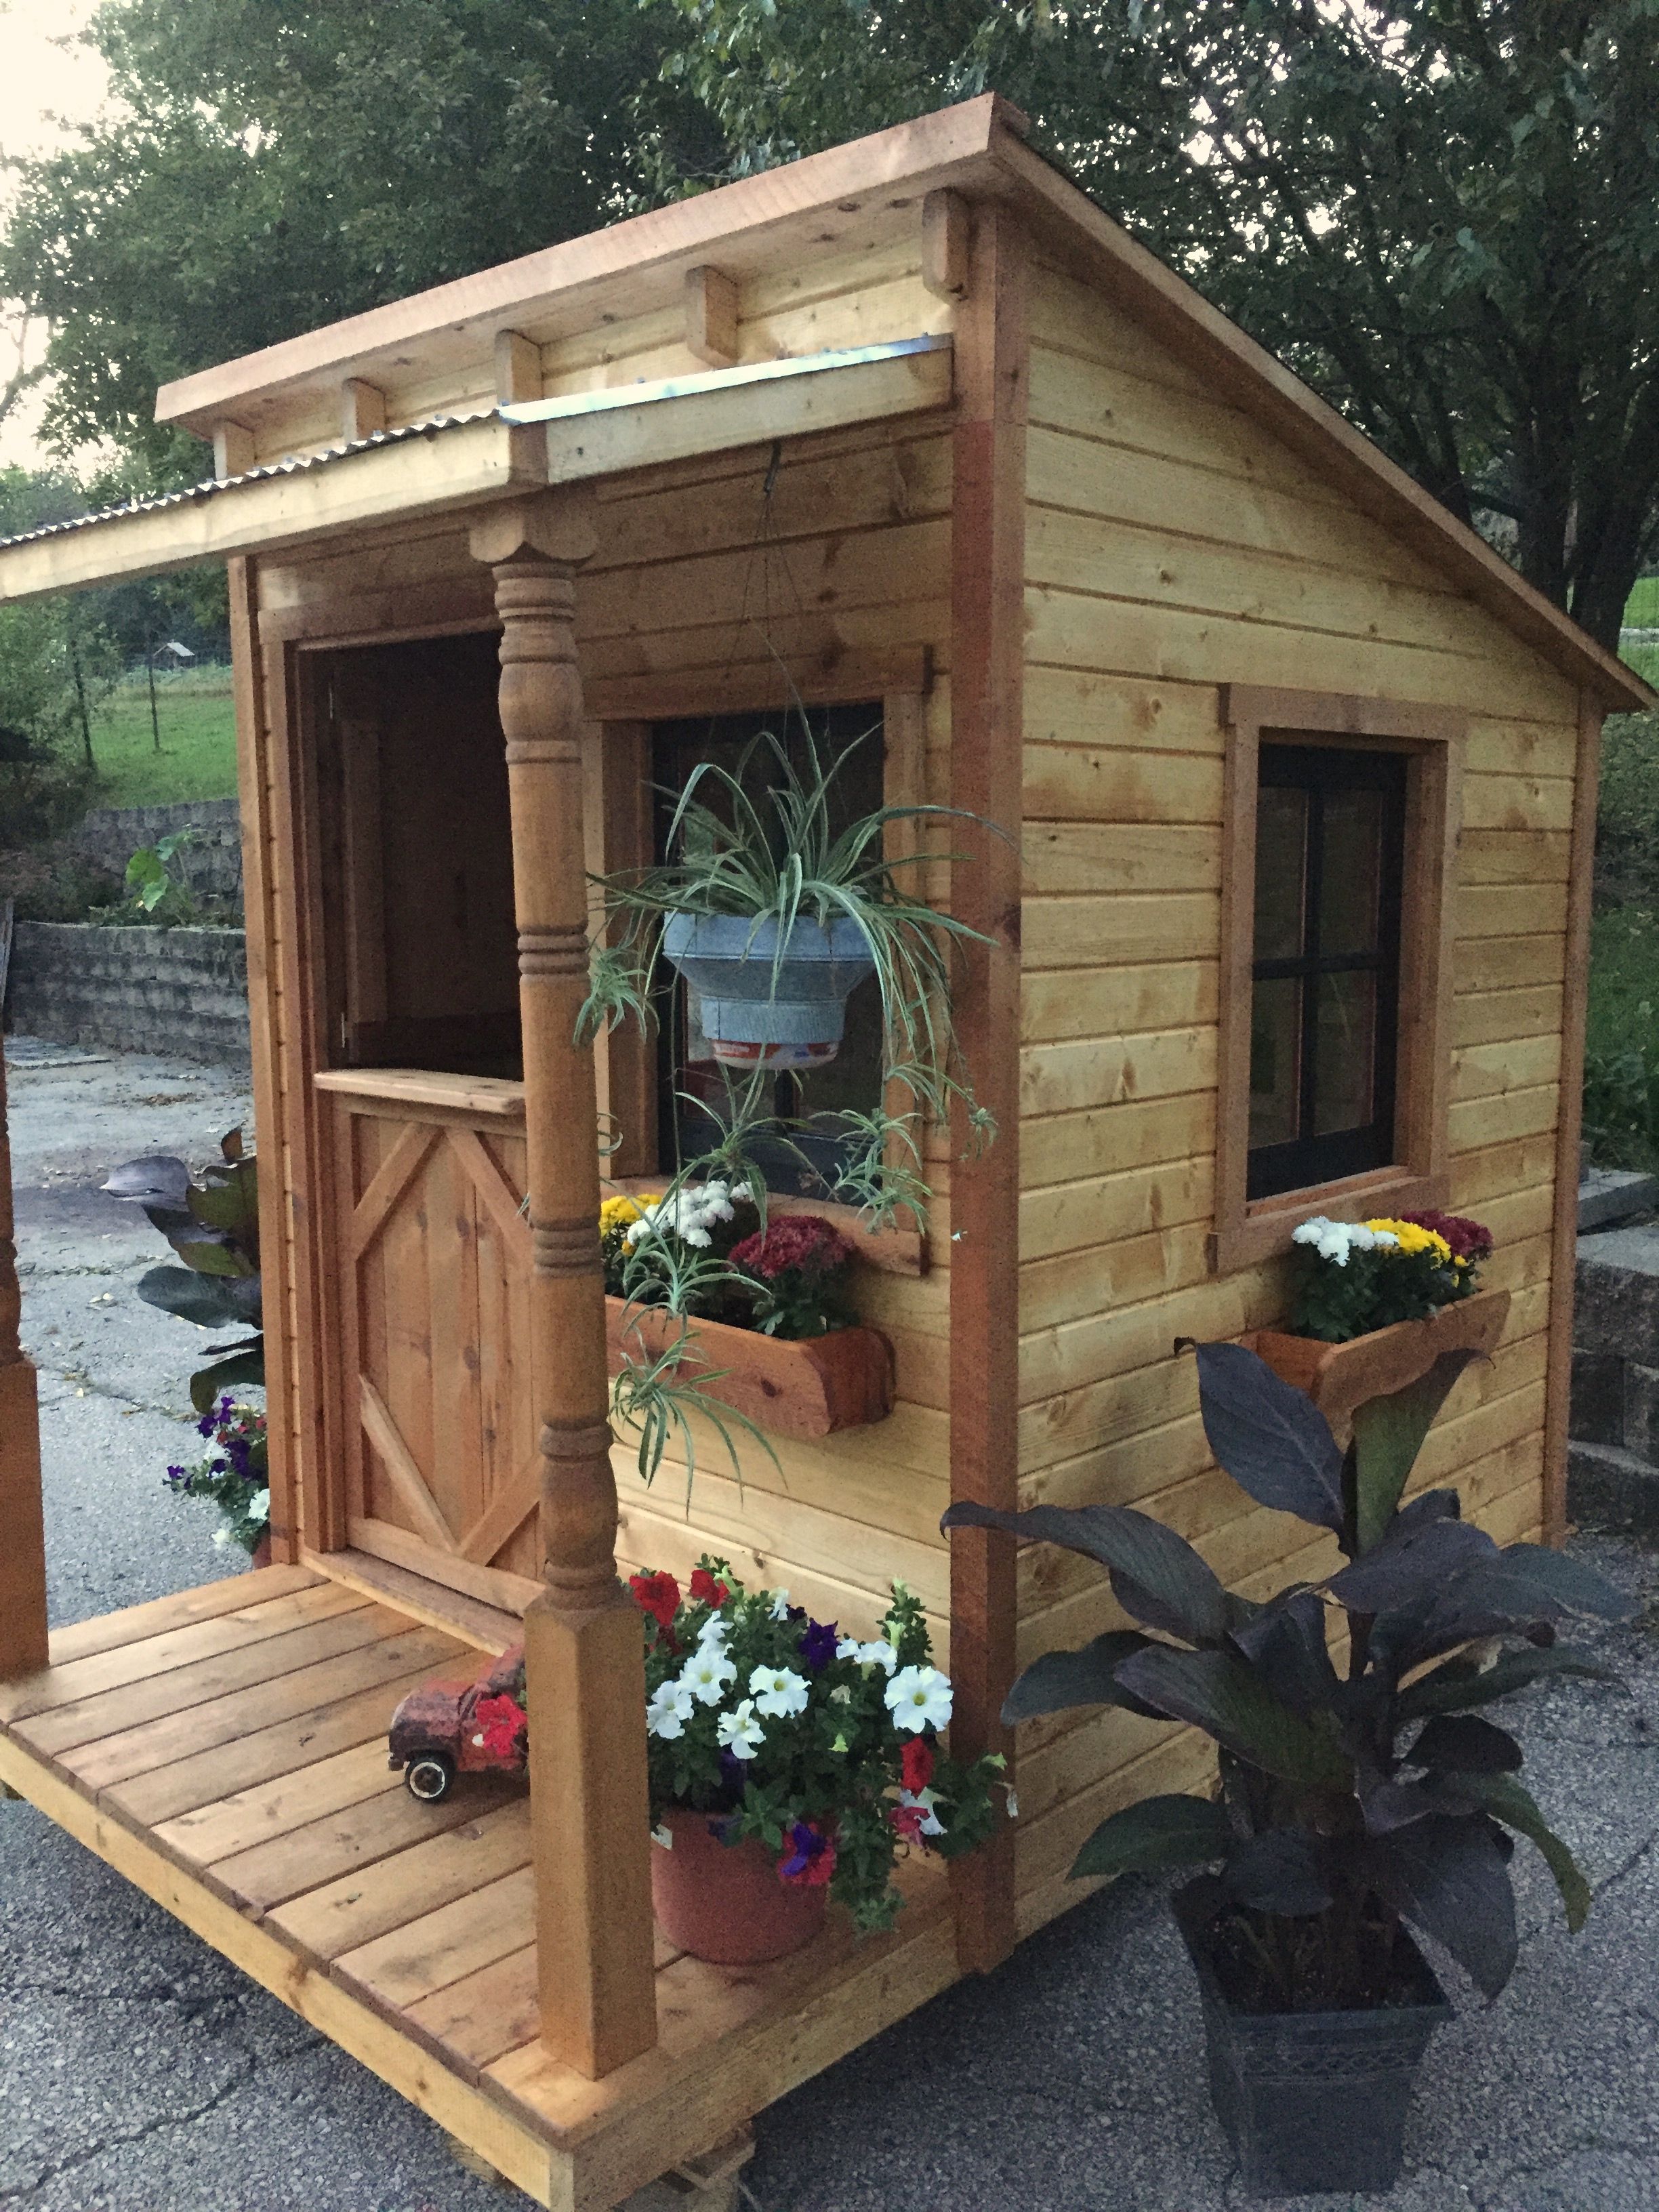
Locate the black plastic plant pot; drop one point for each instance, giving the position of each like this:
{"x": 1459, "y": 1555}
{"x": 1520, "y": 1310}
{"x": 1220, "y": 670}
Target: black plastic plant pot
{"x": 1316, "y": 2101}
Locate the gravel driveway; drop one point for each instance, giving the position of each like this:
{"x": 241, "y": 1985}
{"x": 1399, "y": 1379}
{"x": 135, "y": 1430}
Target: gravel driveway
{"x": 140, "y": 2073}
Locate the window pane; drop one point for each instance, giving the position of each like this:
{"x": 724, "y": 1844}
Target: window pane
{"x": 1275, "y": 1061}
{"x": 1352, "y": 871}
{"x": 1345, "y": 1053}
{"x": 1282, "y": 845}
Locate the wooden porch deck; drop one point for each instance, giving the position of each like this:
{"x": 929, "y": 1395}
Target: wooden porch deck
{"x": 224, "y": 1749}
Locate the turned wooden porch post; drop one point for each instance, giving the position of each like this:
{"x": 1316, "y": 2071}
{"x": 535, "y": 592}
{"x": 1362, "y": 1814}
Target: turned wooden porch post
{"x": 584, "y": 1642}
{"x": 23, "y": 1535}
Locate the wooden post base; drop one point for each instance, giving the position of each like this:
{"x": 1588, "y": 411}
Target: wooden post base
{"x": 585, "y": 1690}
{"x": 23, "y": 1533}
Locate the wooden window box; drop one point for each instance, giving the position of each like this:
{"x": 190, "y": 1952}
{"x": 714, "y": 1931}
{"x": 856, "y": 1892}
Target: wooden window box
{"x": 1340, "y": 1376}
{"x": 807, "y": 1386}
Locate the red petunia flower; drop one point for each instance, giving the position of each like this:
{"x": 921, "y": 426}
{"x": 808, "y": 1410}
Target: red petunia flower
{"x": 659, "y": 1596}
{"x": 705, "y": 1590}
{"x": 906, "y": 1820}
{"x": 917, "y": 1768}
{"x": 796, "y": 1241}
{"x": 502, "y": 1723}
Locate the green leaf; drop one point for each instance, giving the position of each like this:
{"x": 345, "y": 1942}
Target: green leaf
{"x": 207, "y": 1382}
{"x": 1218, "y": 1692}
{"x": 1508, "y": 1801}
{"x": 1154, "y": 1836}
{"x": 1387, "y": 1435}
{"x": 1459, "y": 1683}
{"x": 205, "y": 1257}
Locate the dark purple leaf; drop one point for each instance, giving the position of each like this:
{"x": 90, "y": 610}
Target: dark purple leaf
{"x": 1413, "y": 1562}
{"x": 1446, "y": 1876}
{"x": 1060, "y": 1680}
{"x": 1461, "y": 1684}
{"x": 1278, "y": 1872}
{"x": 1268, "y": 1435}
{"x": 1466, "y": 1742}
{"x": 1155, "y": 1835}
{"x": 1157, "y": 1575}
{"x": 1286, "y": 1646}
{"x": 1217, "y": 1691}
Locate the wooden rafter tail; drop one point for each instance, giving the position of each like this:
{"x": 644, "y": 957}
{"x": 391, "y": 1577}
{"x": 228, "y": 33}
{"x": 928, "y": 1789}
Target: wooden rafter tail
{"x": 584, "y": 1642}
{"x": 22, "y": 1532}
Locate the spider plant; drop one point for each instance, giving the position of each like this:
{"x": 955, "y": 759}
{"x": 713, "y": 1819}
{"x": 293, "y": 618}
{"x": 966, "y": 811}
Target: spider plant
{"x": 758, "y": 841}
{"x": 652, "y": 1397}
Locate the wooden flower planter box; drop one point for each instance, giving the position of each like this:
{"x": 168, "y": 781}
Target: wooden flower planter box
{"x": 1340, "y": 1376}
{"x": 794, "y": 1386}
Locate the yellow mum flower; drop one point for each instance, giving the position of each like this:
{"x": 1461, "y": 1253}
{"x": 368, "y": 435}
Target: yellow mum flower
{"x": 622, "y": 1212}
{"x": 1412, "y": 1236}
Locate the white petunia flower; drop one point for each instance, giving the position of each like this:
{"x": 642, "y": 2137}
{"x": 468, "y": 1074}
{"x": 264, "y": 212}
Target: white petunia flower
{"x": 667, "y": 1710}
{"x": 778, "y": 1691}
{"x": 708, "y": 1674}
{"x": 741, "y": 1733}
{"x": 259, "y": 1506}
{"x": 880, "y": 1654}
{"x": 847, "y": 1648}
{"x": 781, "y": 1606}
{"x": 932, "y": 1825}
{"x": 714, "y": 1632}
{"x": 919, "y": 1698}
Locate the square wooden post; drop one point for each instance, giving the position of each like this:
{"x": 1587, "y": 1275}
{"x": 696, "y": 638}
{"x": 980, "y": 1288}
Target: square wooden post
{"x": 22, "y": 1532}
{"x": 584, "y": 1640}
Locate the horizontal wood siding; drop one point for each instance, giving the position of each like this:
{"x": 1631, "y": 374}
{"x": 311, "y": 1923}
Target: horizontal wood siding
{"x": 700, "y": 579}
{"x": 1172, "y": 547}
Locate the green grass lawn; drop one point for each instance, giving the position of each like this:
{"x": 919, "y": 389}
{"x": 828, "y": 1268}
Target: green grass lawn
{"x": 1642, "y": 608}
{"x": 1621, "y": 1090}
{"x": 197, "y": 759}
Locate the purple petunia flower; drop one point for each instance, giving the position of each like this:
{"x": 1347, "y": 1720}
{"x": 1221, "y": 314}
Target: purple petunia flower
{"x": 817, "y": 1646}
{"x": 206, "y": 1425}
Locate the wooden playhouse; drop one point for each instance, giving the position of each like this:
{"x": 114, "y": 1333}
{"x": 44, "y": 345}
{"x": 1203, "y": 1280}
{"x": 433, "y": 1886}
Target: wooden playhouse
{"x": 912, "y": 431}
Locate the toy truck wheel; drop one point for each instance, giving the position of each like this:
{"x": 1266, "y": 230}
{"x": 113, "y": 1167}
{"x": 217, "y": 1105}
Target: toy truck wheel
{"x": 428, "y": 1776}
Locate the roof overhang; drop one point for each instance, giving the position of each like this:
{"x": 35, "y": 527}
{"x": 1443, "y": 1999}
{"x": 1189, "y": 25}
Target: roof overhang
{"x": 440, "y": 467}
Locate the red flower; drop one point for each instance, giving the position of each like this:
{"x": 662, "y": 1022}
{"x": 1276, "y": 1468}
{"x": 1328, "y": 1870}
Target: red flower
{"x": 906, "y": 1820}
{"x": 803, "y": 1241}
{"x": 811, "y": 1859}
{"x": 659, "y": 1596}
{"x": 918, "y": 1764}
{"x": 705, "y": 1590}
{"x": 1470, "y": 1240}
{"x": 501, "y": 1724}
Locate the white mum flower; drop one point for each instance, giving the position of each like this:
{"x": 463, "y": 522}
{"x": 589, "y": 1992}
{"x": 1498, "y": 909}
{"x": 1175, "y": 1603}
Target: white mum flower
{"x": 880, "y": 1653}
{"x": 667, "y": 1710}
{"x": 741, "y": 1733}
{"x": 708, "y": 1674}
{"x": 778, "y": 1691}
{"x": 919, "y": 1698}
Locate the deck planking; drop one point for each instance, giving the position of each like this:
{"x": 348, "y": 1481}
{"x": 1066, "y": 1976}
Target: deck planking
{"x": 225, "y": 1750}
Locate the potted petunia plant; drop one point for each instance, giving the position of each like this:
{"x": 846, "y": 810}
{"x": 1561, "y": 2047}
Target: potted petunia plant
{"x": 1362, "y": 1792}
{"x": 790, "y": 1764}
{"x": 235, "y": 1474}
{"x": 1376, "y": 1303}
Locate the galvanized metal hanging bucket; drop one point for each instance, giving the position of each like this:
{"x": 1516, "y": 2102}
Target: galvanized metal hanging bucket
{"x": 762, "y": 1007}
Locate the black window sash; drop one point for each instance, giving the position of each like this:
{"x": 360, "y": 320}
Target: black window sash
{"x": 1307, "y": 1159}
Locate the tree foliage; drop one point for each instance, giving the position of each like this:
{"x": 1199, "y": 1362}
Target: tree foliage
{"x": 266, "y": 167}
{"x": 1444, "y": 214}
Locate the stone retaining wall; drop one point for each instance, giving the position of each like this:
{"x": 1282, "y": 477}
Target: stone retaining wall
{"x": 211, "y": 863}
{"x": 1613, "y": 1477}
{"x": 180, "y": 993}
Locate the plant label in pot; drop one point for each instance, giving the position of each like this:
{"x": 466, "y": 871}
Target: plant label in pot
{"x": 763, "y": 1003}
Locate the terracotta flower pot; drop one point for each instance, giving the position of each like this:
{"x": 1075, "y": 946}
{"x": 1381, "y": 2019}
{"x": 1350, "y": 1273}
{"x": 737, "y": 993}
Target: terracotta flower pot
{"x": 1340, "y": 1376}
{"x": 260, "y": 1556}
{"x": 724, "y": 1902}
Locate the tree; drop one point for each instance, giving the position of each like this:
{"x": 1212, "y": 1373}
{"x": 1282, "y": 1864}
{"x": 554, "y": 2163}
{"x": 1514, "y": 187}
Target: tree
{"x": 1443, "y": 214}
{"x": 271, "y": 165}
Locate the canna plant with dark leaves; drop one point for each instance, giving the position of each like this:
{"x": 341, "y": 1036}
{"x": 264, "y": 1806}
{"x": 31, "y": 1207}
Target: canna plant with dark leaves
{"x": 1363, "y": 1783}
{"x": 213, "y": 1226}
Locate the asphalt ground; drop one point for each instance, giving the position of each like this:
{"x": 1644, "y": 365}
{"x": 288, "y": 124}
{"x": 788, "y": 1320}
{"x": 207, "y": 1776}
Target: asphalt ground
{"x": 140, "y": 2073}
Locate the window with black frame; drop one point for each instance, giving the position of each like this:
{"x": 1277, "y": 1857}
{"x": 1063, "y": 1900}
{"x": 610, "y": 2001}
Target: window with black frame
{"x": 1324, "y": 1013}
{"x": 694, "y": 1090}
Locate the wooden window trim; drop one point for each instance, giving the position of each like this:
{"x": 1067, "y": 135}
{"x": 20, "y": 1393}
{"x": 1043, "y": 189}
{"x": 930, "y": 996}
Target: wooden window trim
{"x": 617, "y": 815}
{"x": 1433, "y": 740}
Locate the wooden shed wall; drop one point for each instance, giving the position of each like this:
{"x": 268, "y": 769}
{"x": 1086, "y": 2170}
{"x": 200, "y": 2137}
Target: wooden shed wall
{"x": 856, "y": 563}
{"x": 1173, "y": 547}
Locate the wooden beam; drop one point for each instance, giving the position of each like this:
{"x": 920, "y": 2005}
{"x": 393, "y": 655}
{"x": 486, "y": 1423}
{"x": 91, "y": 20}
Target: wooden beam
{"x": 584, "y": 1643}
{"x": 711, "y": 317}
{"x": 233, "y": 449}
{"x": 22, "y": 1533}
{"x": 460, "y": 467}
{"x": 518, "y": 367}
{"x": 253, "y": 775}
{"x": 362, "y": 408}
{"x": 947, "y": 245}
{"x": 987, "y": 541}
{"x": 1570, "y": 1117}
